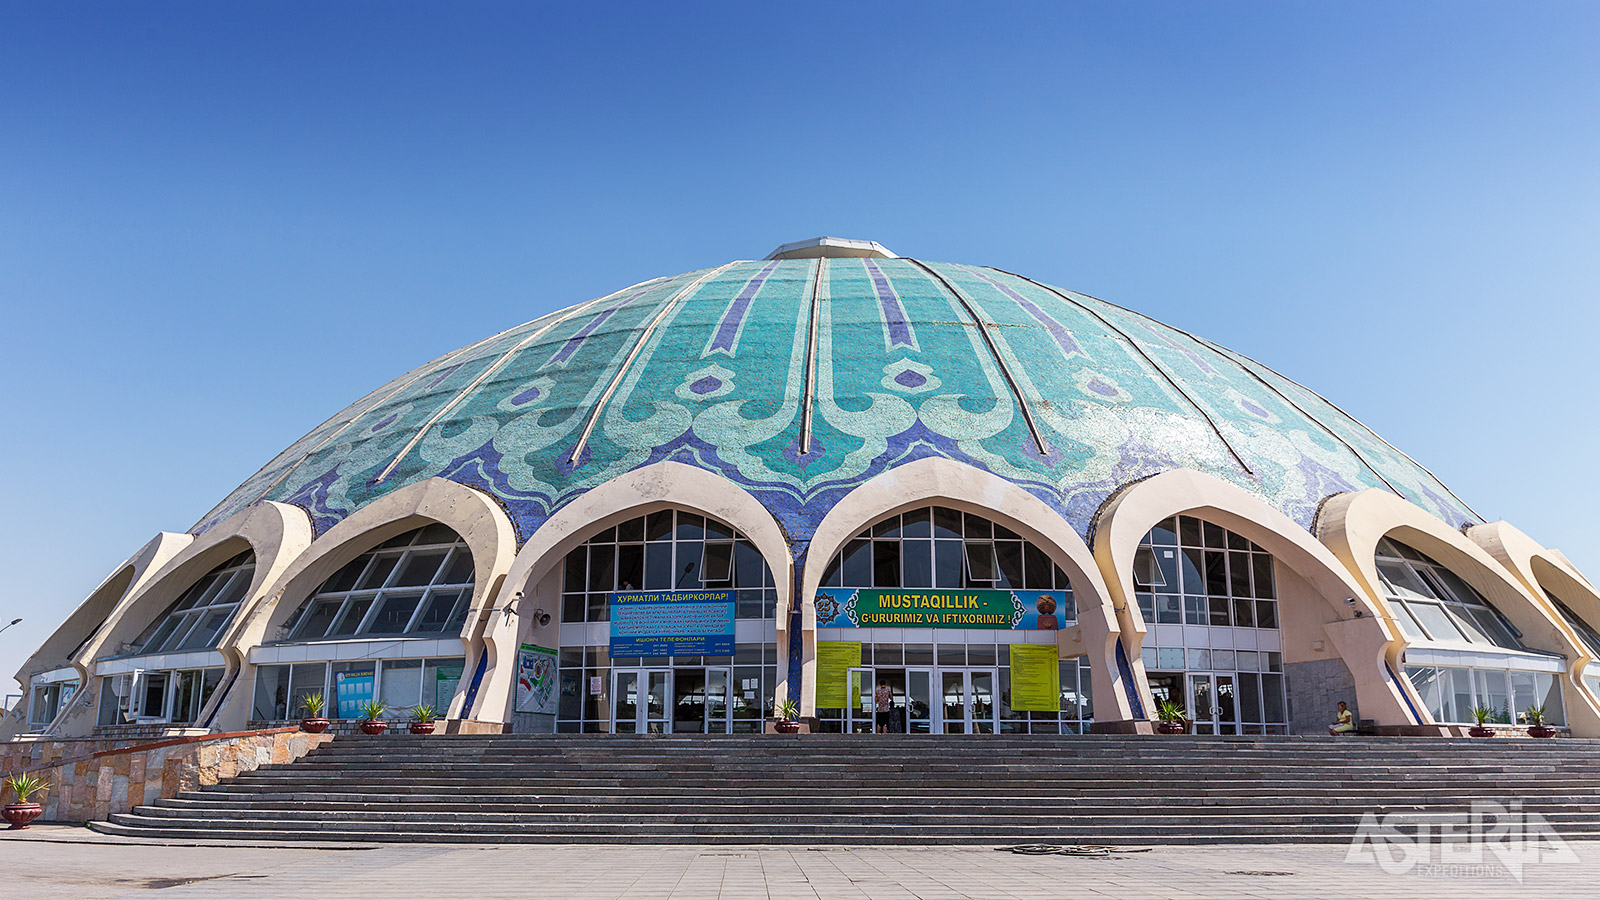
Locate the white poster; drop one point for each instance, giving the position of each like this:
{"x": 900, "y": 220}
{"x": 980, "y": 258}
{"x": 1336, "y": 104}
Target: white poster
{"x": 536, "y": 679}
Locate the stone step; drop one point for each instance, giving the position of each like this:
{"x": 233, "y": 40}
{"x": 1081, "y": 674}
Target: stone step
{"x": 875, "y": 789}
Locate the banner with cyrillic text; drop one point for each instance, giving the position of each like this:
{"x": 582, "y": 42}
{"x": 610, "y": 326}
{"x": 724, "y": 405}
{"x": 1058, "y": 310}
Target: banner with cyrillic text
{"x": 672, "y": 623}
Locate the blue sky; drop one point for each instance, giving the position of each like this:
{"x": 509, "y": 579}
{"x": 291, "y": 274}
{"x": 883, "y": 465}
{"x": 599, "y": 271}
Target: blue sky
{"x": 220, "y": 223}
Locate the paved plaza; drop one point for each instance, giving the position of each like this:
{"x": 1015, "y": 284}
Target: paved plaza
{"x": 62, "y": 863}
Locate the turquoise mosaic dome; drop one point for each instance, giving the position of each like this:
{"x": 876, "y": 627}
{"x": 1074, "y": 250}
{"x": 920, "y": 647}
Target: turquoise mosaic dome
{"x": 800, "y": 379}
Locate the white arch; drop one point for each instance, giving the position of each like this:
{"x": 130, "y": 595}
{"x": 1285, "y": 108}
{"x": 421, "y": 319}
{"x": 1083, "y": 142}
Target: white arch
{"x": 274, "y": 532}
{"x": 1540, "y": 569}
{"x": 80, "y": 628}
{"x": 662, "y": 485}
{"x": 945, "y": 482}
{"x": 1356, "y": 631}
{"x": 469, "y": 513}
{"x": 1351, "y": 526}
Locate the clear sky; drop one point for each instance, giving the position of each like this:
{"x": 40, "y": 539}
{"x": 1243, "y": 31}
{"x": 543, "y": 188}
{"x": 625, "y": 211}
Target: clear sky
{"x": 222, "y": 222}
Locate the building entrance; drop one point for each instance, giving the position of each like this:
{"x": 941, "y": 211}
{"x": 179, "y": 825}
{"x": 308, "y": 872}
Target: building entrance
{"x": 691, "y": 700}
{"x": 924, "y": 700}
{"x": 1214, "y": 703}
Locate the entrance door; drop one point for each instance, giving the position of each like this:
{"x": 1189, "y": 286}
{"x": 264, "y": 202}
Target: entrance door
{"x": 920, "y": 708}
{"x": 718, "y": 683}
{"x": 1214, "y": 703}
{"x": 967, "y": 701}
{"x": 639, "y": 701}
{"x": 861, "y": 716}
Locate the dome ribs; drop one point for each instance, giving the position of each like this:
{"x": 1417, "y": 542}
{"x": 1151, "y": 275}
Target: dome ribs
{"x": 417, "y": 376}
{"x": 810, "y": 392}
{"x": 994, "y": 353}
{"x": 644, "y": 337}
{"x": 1239, "y": 359}
{"x": 499, "y": 364}
{"x": 1149, "y": 360}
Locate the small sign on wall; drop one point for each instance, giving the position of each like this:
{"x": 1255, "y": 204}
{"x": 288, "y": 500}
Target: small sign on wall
{"x": 594, "y": 685}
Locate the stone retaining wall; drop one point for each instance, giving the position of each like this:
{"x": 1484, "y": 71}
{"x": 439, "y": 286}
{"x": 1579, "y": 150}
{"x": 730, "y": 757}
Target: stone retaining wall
{"x": 91, "y": 779}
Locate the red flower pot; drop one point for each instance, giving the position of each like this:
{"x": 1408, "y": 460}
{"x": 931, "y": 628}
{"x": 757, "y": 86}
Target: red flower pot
{"x": 787, "y": 727}
{"x": 20, "y": 814}
{"x": 1480, "y": 731}
{"x": 1541, "y": 731}
{"x": 314, "y": 726}
{"x": 1171, "y": 728}
{"x": 421, "y": 728}
{"x": 374, "y": 726}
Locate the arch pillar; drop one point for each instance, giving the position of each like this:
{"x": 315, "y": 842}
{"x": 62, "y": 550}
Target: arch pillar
{"x": 1319, "y": 603}
{"x": 659, "y": 486}
{"x": 1539, "y": 569}
{"x": 944, "y": 482}
{"x": 1351, "y": 525}
{"x": 85, "y": 626}
{"x": 471, "y": 514}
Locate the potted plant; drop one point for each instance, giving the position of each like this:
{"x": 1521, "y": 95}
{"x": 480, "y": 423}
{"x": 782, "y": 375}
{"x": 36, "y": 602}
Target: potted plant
{"x": 422, "y": 716}
{"x": 1481, "y": 715}
{"x": 1536, "y": 726}
{"x": 20, "y": 813}
{"x": 372, "y": 721}
{"x": 788, "y": 717}
{"x": 314, "y": 705}
{"x": 1171, "y": 717}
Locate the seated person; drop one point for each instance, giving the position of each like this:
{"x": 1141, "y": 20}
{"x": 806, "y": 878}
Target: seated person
{"x": 1345, "y": 722}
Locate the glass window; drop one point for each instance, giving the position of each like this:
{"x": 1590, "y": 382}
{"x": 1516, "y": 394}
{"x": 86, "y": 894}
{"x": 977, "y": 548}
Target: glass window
{"x": 416, "y": 583}
{"x": 209, "y": 603}
{"x": 1430, "y": 600}
{"x": 682, "y": 551}
{"x": 935, "y": 547}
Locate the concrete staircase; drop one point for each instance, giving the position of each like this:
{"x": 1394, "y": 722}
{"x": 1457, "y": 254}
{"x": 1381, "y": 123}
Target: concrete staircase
{"x": 876, "y": 789}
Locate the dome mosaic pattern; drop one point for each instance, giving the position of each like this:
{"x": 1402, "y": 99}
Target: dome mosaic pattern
{"x": 801, "y": 379}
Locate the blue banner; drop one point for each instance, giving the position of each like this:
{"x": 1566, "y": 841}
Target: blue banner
{"x": 352, "y": 689}
{"x": 672, "y": 623}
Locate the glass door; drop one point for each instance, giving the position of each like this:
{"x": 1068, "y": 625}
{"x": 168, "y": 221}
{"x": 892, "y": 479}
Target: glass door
{"x": 639, "y": 702}
{"x": 718, "y": 683}
{"x": 967, "y": 701}
{"x": 1227, "y": 705}
{"x": 1213, "y": 703}
{"x": 861, "y": 717}
{"x": 688, "y": 701}
{"x": 981, "y": 708}
{"x": 920, "y": 709}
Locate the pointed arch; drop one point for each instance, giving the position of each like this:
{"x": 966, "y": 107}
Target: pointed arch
{"x": 1326, "y": 603}
{"x": 662, "y": 485}
{"x": 471, "y": 514}
{"x": 1351, "y": 525}
{"x": 949, "y": 483}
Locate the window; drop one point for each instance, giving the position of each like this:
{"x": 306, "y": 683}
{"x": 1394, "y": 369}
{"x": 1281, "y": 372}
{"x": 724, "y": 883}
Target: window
{"x": 936, "y": 547}
{"x": 1451, "y": 693}
{"x": 664, "y": 551}
{"x": 419, "y": 583}
{"x": 280, "y": 690}
{"x": 174, "y": 696}
{"x": 1432, "y": 603}
{"x": 1188, "y": 571}
{"x": 195, "y": 621}
{"x": 48, "y": 700}
{"x": 1586, "y": 632}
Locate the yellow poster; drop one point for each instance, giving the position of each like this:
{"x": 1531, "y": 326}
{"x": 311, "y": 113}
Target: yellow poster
{"x": 1035, "y": 677}
{"x": 834, "y": 658}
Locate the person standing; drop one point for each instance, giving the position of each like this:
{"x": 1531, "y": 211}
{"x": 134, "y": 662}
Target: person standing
{"x": 883, "y": 704}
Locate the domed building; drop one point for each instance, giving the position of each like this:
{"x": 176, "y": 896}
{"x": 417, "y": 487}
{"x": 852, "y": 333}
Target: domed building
{"x": 908, "y": 496}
